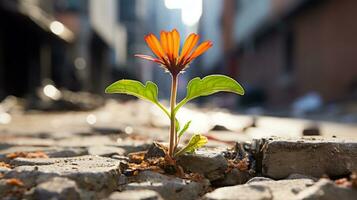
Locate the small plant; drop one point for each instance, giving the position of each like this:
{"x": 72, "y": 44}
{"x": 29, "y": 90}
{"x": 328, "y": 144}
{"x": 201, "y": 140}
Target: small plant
{"x": 167, "y": 55}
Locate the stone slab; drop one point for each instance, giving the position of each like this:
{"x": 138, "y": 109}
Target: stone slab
{"x": 90, "y": 172}
{"x": 309, "y": 156}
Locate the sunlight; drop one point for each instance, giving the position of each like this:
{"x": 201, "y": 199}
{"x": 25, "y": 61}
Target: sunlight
{"x": 191, "y": 11}
{"x": 52, "y": 92}
{"x": 57, "y": 27}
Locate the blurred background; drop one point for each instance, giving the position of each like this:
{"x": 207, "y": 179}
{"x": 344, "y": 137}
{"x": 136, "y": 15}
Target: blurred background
{"x": 294, "y": 58}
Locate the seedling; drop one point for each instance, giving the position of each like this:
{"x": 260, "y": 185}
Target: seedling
{"x": 168, "y": 57}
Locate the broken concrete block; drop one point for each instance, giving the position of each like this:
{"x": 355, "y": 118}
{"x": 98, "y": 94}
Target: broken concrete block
{"x": 309, "y": 156}
{"x": 325, "y": 189}
{"x": 211, "y": 164}
{"x": 168, "y": 187}
{"x": 277, "y": 190}
{"x": 90, "y": 172}
{"x": 105, "y": 150}
{"x": 234, "y": 177}
{"x": 239, "y": 192}
{"x": 259, "y": 179}
{"x": 135, "y": 195}
{"x": 56, "y": 188}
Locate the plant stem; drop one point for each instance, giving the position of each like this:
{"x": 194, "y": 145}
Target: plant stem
{"x": 173, "y": 136}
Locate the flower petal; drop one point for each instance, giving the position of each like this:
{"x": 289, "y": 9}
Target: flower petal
{"x": 176, "y": 39}
{"x": 171, "y": 45}
{"x": 163, "y": 39}
{"x": 146, "y": 57}
{"x": 190, "y": 42}
{"x": 155, "y": 45}
{"x": 200, "y": 49}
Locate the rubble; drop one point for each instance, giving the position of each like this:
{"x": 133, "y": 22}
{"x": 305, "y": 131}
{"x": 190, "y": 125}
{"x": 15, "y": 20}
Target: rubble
{"x": 211, "y": 164}
{"x": 168, "y": 187}
{"x": 56, "y": 188}
{"x": 233, "y": 177}
{"x": 325, "y": 189}
{"x": 308, "y": 156}
{"x": 90, "y": 172}
{"x": 135, "y": 195}
{"x": 277, "y": 190}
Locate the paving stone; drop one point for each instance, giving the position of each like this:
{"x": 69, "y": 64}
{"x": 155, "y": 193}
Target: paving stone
{"x": 211, "y": 164}
{"x": 240, "y": 192}
{"x": 285, "y": 189}
{"x": 259, "y": 179}
{"x": 309, "y": 156}
{"x": 168, "y": 187}
{"x": 90, "y": 172}
{"x": 325, "y": 189}
{"x": 301, "y": 176}
{"x": 105, "y": 150}
{"x": 135, "y": 195}
{"x": 86, "y": 141}
{"x": 26, "y": 141}
{"x": 277, "y": 190}
{"x": 234, "y": 177}
{"x": 56, "y": 188}
{"x": 131, "y": 146}
{"x": 53, "y": 152}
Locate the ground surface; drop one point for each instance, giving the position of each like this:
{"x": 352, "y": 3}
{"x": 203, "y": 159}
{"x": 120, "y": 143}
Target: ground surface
{"x": 83, "y": 155}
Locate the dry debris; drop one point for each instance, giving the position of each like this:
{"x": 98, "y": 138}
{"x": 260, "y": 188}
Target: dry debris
{"x": 343, "y": 182}
{"x": 242, "y": 165}
{"x": 350, "y": 182}
{"x": 37, "y": 154}
{"x": 3, "y": 164}
{"x": 163, "y": 165}
{"x": 15, "y": 182}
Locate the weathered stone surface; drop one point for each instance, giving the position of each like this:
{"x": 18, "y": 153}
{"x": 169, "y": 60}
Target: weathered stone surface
{"x": 327, "y": 190}
{"x": 240, "y": 192}
{"x": 86, "y": 141}
{"x": 56, "y": 188}
{"x": 309, "y": 156}
{"x": 301, "y": 176}
{"x": 105, "y": 150}
{"x": 277, "y": 190}
{"x": 234, "y": 177}
{"x": 168, "y": 187}
{"x": 259, "y": 179}
{"x": 53, "y": 152}
{"x": 131, "y": 146}
{"x": 211, "y": 164}
{"x": 135, "y": 195}
{"x": 27, "y": 141}
{"x": 285, "y": 189}
{"x": 90, "y": 172}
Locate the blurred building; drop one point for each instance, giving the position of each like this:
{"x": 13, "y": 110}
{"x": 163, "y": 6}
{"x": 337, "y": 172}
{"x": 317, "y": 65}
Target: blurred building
{"x": 32, "y": 45}
{"x": 84, "y": 45}
{"x": 66, "y": 43}
{"x": 285, "y": 49}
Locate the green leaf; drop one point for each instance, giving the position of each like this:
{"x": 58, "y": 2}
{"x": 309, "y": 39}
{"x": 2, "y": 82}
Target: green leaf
{"x": 209, "y": 85}
{"x": 177, "y": 125}
{"x": 195, "y": 142}
{"x": 184, "y": 129}
{"x": 149, "y": 91}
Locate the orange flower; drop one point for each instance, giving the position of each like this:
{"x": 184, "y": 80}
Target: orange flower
{"x": 167, "y": 50}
